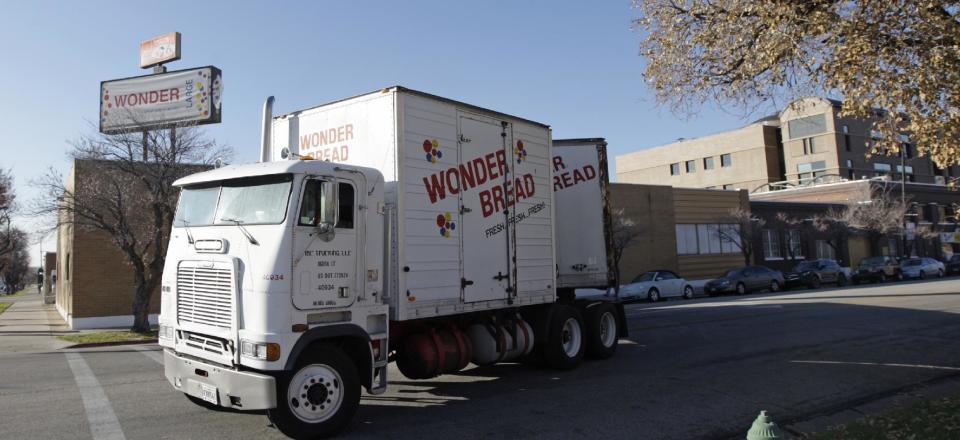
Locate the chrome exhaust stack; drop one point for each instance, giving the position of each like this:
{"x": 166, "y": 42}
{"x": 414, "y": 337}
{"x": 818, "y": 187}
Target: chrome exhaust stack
{"x": 266, "y": 153}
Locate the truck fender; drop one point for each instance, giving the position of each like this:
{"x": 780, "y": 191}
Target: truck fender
{"x": 337, "y": 334}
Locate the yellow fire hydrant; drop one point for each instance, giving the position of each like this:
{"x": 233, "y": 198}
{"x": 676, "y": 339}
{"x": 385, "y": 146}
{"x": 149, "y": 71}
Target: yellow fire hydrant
{"x": 764, "y": 429}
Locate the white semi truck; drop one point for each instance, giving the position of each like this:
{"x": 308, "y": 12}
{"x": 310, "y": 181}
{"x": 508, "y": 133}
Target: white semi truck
{"x": 391, "y": 226}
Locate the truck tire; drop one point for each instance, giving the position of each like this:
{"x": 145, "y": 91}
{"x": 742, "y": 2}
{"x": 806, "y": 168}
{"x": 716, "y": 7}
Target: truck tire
{"x": 319, "y": 397}
{"x": 564, "y": 347}
{"x": 602, "y": 330}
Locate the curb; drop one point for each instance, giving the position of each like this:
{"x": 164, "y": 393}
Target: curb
{"x": 111, "y": 344}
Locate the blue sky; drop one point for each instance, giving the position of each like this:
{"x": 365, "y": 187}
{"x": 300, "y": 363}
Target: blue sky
{"x": 572, "y": 65}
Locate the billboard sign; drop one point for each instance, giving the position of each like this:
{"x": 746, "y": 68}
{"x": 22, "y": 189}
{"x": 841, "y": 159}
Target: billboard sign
{"x": 159, "y": 50}
{"x": 161, "y": 100}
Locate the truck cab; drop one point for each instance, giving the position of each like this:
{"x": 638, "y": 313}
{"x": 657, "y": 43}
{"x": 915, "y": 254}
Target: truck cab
{"x": 264, "y": 261}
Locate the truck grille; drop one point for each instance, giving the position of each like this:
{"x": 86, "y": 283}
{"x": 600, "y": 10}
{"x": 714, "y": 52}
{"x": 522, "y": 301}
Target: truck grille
{"x": 205, "y": 294}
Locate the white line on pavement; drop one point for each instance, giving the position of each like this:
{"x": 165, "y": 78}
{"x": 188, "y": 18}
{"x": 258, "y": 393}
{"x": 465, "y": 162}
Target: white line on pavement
{"x": 103, "y": 422}
{"x": 876, "y": 364}
{"x": 150, "y": 353}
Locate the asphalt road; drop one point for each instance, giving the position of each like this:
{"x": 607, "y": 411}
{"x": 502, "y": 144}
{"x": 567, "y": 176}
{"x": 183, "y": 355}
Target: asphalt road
{"x": 690, "y": 369}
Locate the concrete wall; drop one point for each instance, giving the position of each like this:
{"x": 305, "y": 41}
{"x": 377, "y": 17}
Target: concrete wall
{"x": 751, "y": 149}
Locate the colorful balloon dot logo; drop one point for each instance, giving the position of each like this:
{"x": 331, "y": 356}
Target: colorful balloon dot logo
{"x": 519, "y": 152}
{"x": 446, "y": 224}
{"x": 432, "y": 148}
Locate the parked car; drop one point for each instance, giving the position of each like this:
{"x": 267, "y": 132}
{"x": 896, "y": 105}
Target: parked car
{"x": 744, "y": 280}
{"x": 813, "y": 273}
{"x": 953, "y": 264}
{"x": 921, "y": 268}
{"x": 878, "y": 269}
{"x": 657, "y": 284}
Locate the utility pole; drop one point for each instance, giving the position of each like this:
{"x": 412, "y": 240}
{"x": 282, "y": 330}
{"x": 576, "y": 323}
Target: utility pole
{"x": 903, "y": 195}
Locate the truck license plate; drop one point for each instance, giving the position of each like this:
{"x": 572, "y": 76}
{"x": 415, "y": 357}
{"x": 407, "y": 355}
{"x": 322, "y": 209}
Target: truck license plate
{"x": 208, "y": 393}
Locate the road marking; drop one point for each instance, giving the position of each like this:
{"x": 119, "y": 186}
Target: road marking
{"x": 100, "y": 416}
{"x": 150, "y": 353}
{"x": 877, "y": 364}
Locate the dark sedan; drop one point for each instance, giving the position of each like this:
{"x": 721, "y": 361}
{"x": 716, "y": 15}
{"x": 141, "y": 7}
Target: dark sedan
{"x": 953, "y": 264}
{"x": 744, "y": 280}
{"x": 813, "y": 273}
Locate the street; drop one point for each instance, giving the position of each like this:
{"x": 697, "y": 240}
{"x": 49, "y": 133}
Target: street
{"x": 690, "y": 369}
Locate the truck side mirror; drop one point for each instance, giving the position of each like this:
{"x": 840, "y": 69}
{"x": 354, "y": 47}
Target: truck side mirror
{"x": 328, "y": 214}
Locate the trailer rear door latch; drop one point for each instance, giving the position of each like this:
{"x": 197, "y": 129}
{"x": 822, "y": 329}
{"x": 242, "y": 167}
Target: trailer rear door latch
{"x": 501, "y": 277}
{"x": 465, "y": 282}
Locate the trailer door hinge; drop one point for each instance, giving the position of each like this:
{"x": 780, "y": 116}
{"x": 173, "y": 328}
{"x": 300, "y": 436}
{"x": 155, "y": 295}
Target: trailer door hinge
{"x": 464, "y": 139}
{"x": 464, "y": 209}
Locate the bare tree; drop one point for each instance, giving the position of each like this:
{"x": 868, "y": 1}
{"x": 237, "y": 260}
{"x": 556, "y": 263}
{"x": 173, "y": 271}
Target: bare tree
{"x": 794, "y": 244}
{"x": 15, "y": 264}
{"x": 834, "y": 225}
{"x": 741, "y": 229}
{"x": 130, "y": 196}
{"x": 877, "y": 214}
{"x": 624, "y": 232}
{"x": 897, "y": 55}
{"x": 7, "y": 208}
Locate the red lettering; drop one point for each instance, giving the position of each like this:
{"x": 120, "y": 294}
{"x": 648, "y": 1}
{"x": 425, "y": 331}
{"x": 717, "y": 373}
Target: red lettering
{"x": 577, "y": 177}
{"x": 466, "y": 176}
{"x": 557, "y": 184}
{"x": 435, "y": 188}
{"x": 453, "y": 181}
{"x": 479, "y": 170}
{"x": 531, "y": 187}
{"x": 348, "y": 130}
{"x": 590, "y": 172}
{"x": 566, "y": 179}
{"x": 175, "y": 94}
{"x": 491, "y": 165}
{"x": 344, "y": 153}
{"x": 485, "y": 204}
{"x": 558, "y": 163}
{"x": 498, "y": 202}
{"x": 502, "y": 162}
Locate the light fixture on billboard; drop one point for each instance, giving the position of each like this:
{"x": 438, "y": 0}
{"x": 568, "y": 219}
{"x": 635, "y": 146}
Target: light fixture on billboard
{"x": 219, "y": 163}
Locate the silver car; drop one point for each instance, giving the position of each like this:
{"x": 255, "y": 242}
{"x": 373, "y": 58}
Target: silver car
{"x": 921, "y": 268}
{"x": 657, "y": 284}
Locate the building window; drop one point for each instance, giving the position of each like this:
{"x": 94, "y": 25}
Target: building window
{"x": 794, "y": 244}
{"x": 807, "y": 126}
{"x": 726, "y": 160}
{"x": 771, "y": 245}
{"x": 690, "y": 165}
{"x": 675, "y": 169}
{"x": 906, "y": 151}
{"x": 846, "y": 129}
{"x": 810, "y": 170}
{"x": 850, "y": 171}
{"x": 846, "y": 138}
{"x": 881, "y": 169}
{"x": 809, "y": 146}
{"x": 824, "y": 250}
{"x": 708, "y": 163}
{"x": 67, "y": 274}
{"x": 728, "y": 187}
{"x": 687, "y": 240}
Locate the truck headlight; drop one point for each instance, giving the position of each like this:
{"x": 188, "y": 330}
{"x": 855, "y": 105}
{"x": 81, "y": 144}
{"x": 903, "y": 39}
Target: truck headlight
{"x": 167, "y": 332}
{"x": 269, "y": 351}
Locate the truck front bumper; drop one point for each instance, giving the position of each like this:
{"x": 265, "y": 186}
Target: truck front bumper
{"x": 230, "y": 388}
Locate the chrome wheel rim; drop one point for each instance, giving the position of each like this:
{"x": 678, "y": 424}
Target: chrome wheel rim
{"x": 315, "y": 393}
{"x": 571, "y": 337}
{"x": 608, "y": 329}
{"x": 774, "y": 286}
{"x": 688, "y": 292}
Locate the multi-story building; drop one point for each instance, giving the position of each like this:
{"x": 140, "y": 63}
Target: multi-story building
{"x": 807, "y": 143}
{"x": 745, "y": 158}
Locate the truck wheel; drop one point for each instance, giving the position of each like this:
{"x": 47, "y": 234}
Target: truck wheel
{"x": 563, "y": 349}
{"x": 602, "y": 331}
{"x": 319, "y": 397}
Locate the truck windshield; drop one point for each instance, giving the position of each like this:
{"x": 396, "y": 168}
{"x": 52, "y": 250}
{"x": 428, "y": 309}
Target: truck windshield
{"x": 249, "y": 200}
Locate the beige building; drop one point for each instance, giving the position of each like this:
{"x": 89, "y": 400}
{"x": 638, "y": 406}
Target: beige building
{"x": 94, "y": 287}
{"x": 745, "y": 158}
{"x": 672, "y": 222}
{"x": 807, "y": 143}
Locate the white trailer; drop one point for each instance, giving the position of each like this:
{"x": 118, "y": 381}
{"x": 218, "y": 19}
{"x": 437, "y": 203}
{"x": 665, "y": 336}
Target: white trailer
{"x": 391, "y": 226}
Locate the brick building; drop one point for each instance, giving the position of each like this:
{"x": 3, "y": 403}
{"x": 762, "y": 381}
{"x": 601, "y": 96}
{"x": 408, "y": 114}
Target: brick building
{"x": 95, "y": 285}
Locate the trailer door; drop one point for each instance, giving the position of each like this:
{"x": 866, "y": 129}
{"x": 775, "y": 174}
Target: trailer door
{"x": 486, "y": 234}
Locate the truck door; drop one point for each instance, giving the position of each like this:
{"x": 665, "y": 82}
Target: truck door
{"x": 487, "y": 237}
{"x": 325, "y": 267}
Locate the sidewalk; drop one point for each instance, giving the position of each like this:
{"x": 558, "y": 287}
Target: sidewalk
{"x": 31, "y": 326}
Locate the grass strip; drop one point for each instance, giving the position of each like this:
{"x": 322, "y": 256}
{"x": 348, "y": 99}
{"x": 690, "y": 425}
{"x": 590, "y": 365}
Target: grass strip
{"x": 937, "y": 419}
{"x": 107, "y": 336}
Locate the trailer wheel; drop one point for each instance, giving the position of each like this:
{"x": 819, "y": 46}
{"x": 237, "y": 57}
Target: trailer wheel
{"x": 602, "y": 331}
{"x": 564, "y": 347}
{"x": 320, "y": 397}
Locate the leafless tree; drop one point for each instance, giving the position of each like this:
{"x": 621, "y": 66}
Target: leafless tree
{"x": 130, "y": 196}
{"x": 876, "y": 213}
{"x": 15, "y": 264}
{"x": 7, "y": 208}
{"x": 624, "y": 232}
{"x": 744, "y": 233}
{"x": 834, "y": 226}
